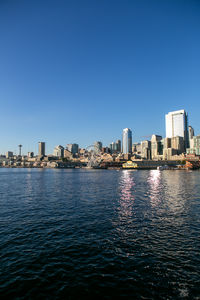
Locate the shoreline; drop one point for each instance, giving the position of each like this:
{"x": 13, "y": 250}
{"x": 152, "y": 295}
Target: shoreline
{"x": 109, "y": 168}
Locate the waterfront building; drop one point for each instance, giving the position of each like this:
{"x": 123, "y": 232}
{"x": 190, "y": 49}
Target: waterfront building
{"x": 59, "y": 151}
{"x": 177, "y": 125}
{"x": 146, "y": 149}
{"x": 173, "y": 146}
{"x": 192, "y": 143}
{"x": 156, "y": 146}
{"x": 195, "y": 149}
{"x": 127, "y": 141}
{"x": 169, "y": 153}
{"x": 167, "y": 143}
{"x": 73, "y": 148}
{"x": 41, "y": 149}
{"x": 97, "y": 146}
{"x": 177, "y": 143}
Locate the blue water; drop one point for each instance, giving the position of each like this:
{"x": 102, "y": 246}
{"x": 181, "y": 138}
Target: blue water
{"x": 99, "y": 234}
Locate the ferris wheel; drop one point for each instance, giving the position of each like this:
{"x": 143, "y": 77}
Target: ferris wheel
{"x": 93, "y": 155}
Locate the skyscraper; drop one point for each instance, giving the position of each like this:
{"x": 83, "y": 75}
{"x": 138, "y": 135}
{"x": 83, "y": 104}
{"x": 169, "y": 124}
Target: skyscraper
{"x": 115, "y": 147}
{"x": 73, "y": 148}
{"x": 191, "y": 132}
{"x": 146, "y": 149}
{"x": 41, "y": 149}
{"x": 156, "y": 146}
{"x": 191, "y": 135}
{"x": 127, "y": 141}
{"x": 177, "y": 125}
{"x": 118, "y": 145}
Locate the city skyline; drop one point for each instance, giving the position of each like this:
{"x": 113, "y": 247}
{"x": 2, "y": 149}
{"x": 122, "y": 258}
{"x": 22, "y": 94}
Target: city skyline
{"x": 82, "y": 71}
{"x": 176, "y": 126}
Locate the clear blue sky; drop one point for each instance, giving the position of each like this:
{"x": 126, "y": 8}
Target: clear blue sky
{"x": 80, "y": 71}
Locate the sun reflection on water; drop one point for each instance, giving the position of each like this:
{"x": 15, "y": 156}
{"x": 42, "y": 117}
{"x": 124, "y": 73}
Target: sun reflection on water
{"x": 154, "y": 181}
{"x": 126, "y": 193}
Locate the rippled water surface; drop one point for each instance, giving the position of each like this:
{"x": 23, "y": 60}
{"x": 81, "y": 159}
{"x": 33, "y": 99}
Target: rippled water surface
{"x": 99, "y": 234}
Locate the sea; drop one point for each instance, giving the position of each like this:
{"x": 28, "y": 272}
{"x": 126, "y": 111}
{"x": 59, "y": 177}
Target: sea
{"x": 99, "y": 234}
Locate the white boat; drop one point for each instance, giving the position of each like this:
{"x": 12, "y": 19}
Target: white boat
{"x": 161, "y": 168}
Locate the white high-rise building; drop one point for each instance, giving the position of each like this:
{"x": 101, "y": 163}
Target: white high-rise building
{"x": 127, "y": 141}
{"x": 177, "y": 125}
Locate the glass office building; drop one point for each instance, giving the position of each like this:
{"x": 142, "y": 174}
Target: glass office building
{"x": 127, "y": 141}
{"x": 73, "y": 148}
{"x": 177, "y": 125}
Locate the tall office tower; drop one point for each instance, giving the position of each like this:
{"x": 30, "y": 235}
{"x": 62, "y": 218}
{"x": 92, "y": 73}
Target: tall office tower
{"x": 115, "y": 147}
{"x": 191, "y": 135}
{"x": 146, "y": 149}
{"x": 156, "y": 146}
{"x": 177, "y": 125}
{"x": 73, "y": 148}
{"x": 167, "y": 143}
{"x": 98, "y": 146}
{"x": 118, "y": 145}
{"x": 191, "y": 132}
{"x": 41, "y": 149}
{"x": 105, "y": 150}
{"x": 127, "y": 141}
{"x": 177, "y": 143}
{"x": 111, "y": 147}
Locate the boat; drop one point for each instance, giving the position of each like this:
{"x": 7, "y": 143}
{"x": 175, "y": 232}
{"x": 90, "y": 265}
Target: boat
{"x": 161, "y": 168}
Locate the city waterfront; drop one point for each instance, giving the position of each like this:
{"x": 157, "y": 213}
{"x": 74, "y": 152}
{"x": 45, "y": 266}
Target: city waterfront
{"x": 86, "y": 234}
